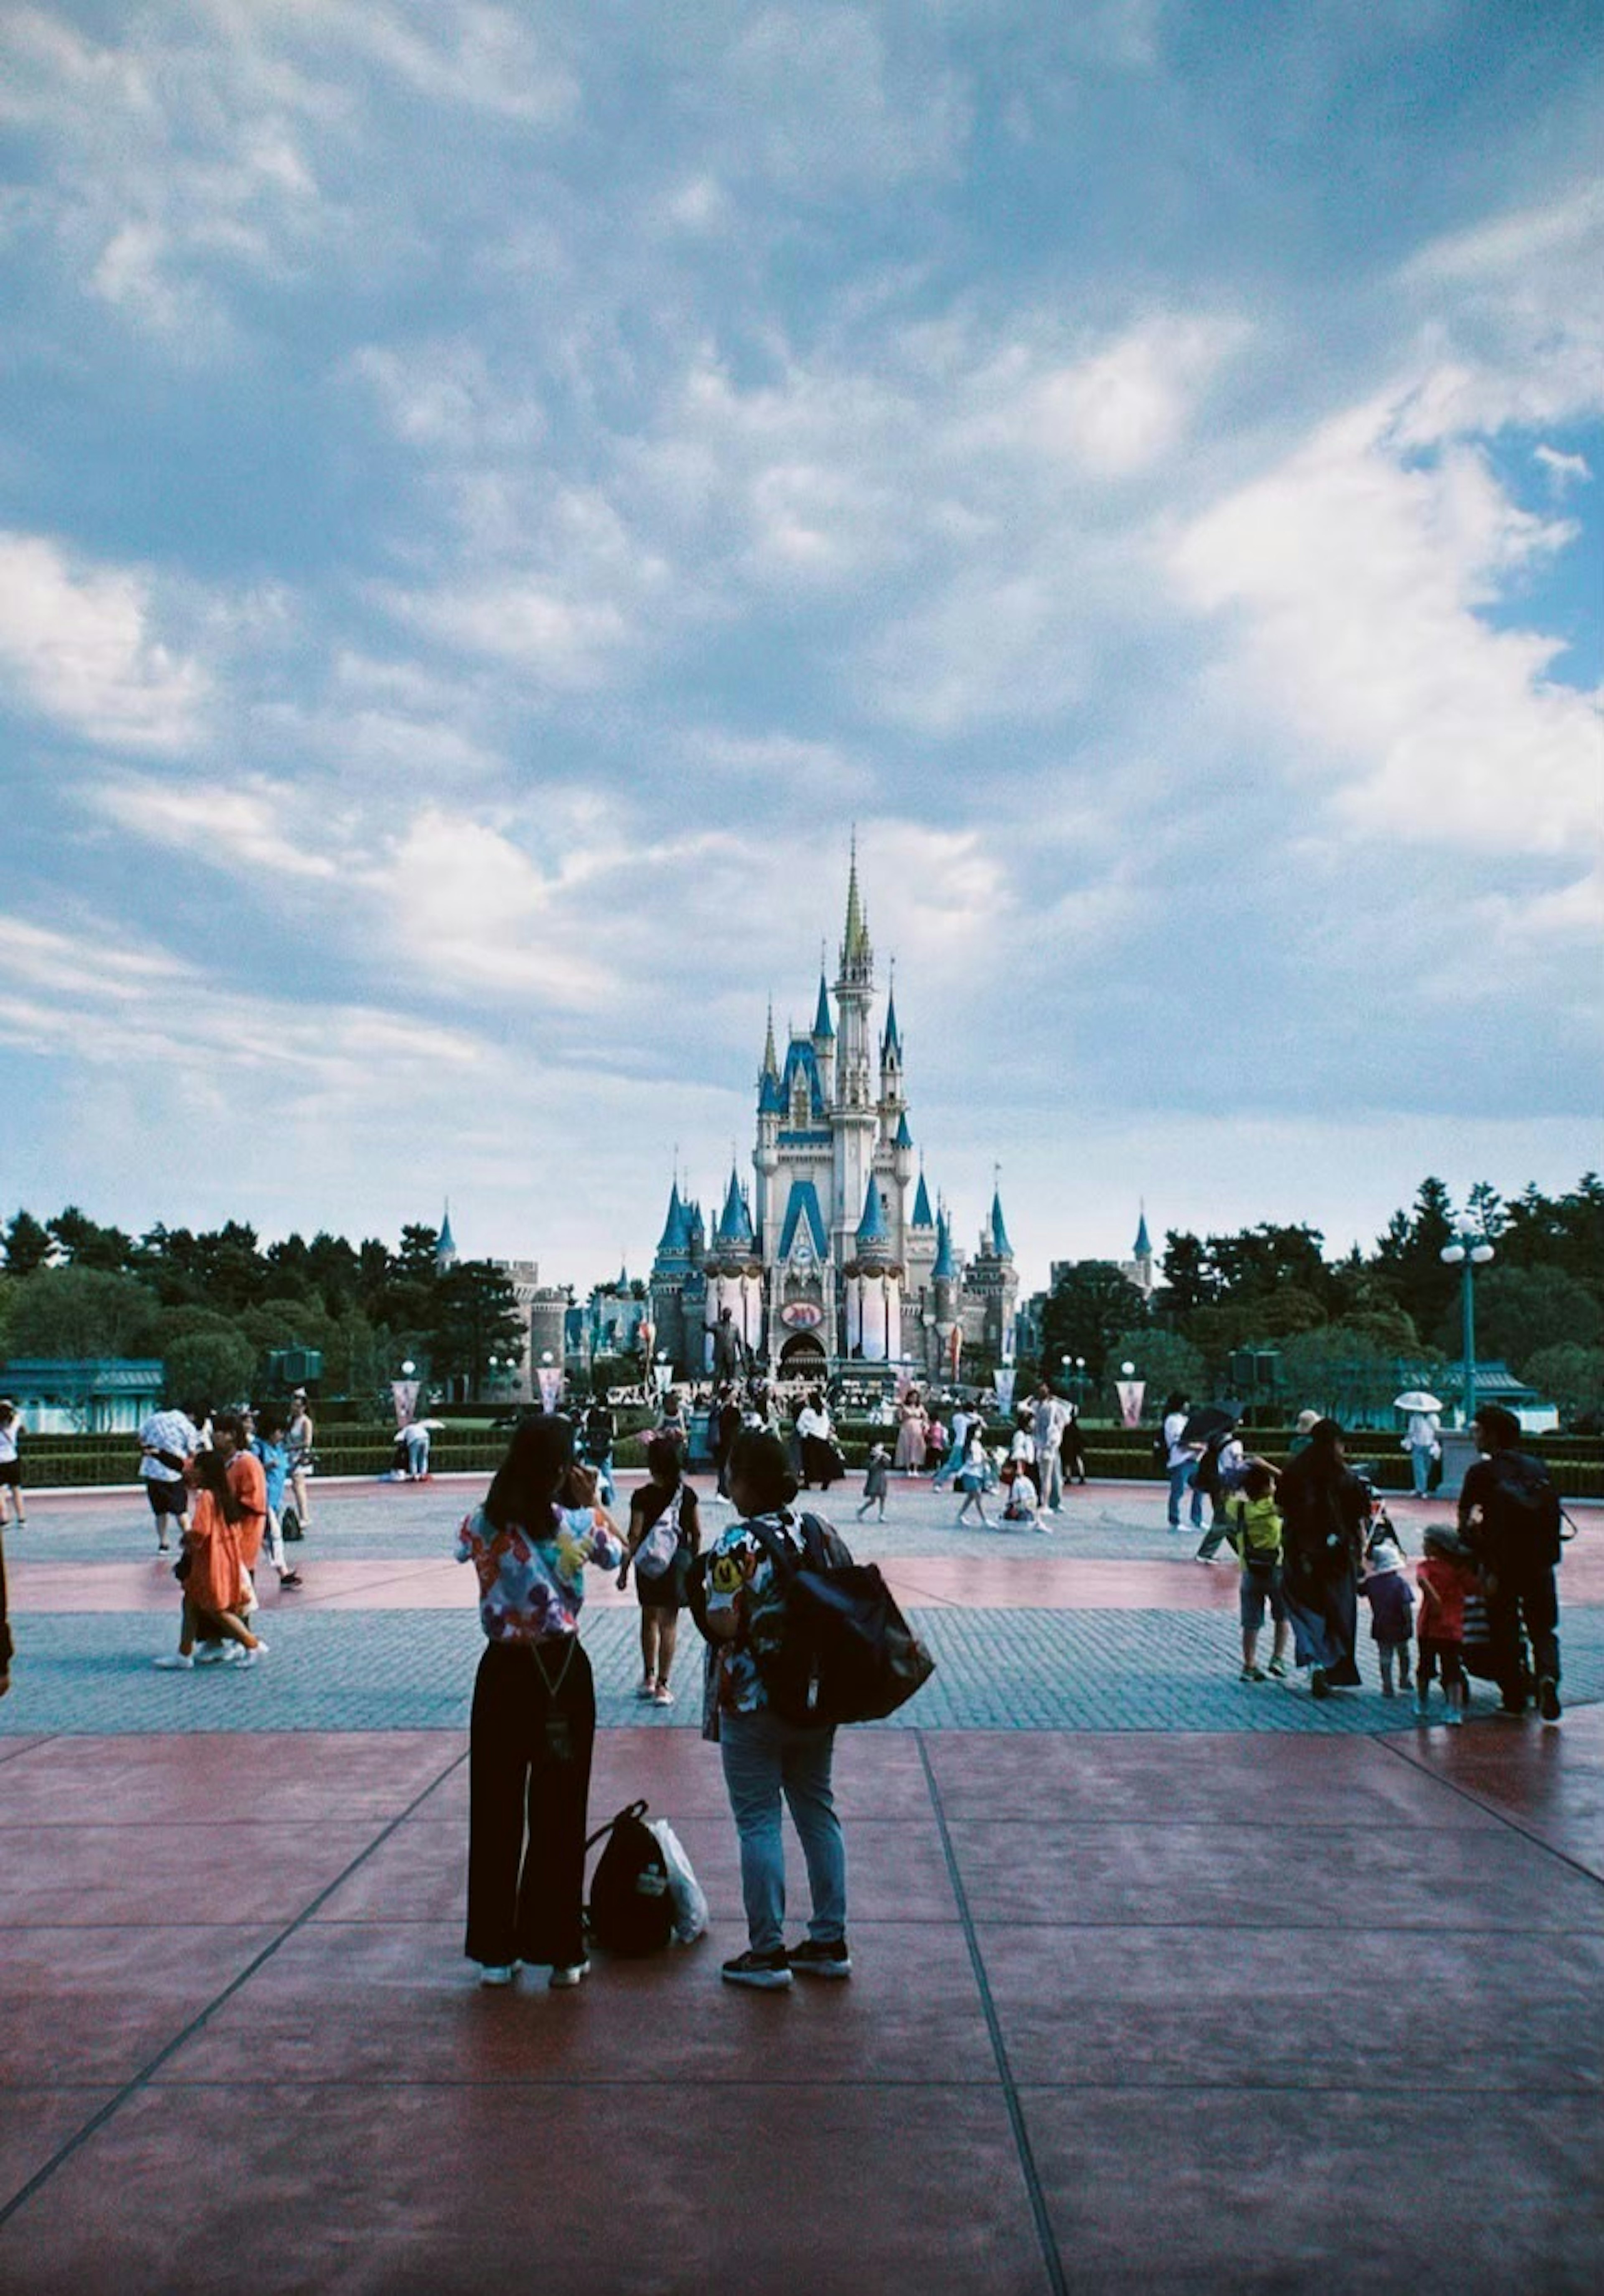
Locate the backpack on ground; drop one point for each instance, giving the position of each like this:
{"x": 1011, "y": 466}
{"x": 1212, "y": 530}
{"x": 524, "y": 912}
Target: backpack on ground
{"x": 654, "y": 1556}
{"x": 845, "y": 1652}
{"x": 630, "y": 1909}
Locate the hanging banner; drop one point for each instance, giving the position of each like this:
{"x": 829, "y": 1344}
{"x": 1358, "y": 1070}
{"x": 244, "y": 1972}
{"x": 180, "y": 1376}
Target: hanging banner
{"x": 405, "y": 1392}
{"x": 1130, "y": 1392}
{"x": 1003, "y": 1383}
{"x": 551, "y": 1385}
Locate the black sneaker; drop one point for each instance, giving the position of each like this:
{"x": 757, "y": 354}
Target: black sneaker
{"x": 815, "y": 1957}
{"x": 771, "y": 1972}
{"x": 1548, "y": 1701}
{"x": 1319, "y": 1686}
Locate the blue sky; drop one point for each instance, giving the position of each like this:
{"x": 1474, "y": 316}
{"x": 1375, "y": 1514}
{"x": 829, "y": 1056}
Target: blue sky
{"x": 489, "y": 497}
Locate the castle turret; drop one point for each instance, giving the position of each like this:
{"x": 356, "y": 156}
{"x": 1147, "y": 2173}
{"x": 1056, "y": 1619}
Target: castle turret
{"x": 855, "y": 1116}
{"x": 873, "y": 1285}
{"x": 445, "y": 1251}
{"x": 824, "y": 1039}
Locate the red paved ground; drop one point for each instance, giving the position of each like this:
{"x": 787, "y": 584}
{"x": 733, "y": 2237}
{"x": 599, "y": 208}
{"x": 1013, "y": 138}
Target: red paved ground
{"x": 1130, "y": 2013}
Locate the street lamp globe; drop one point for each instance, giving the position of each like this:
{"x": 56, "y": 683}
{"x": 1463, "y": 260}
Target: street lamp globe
{"x": 408, "y": 1367}
{"x": 1127, "y": 1370}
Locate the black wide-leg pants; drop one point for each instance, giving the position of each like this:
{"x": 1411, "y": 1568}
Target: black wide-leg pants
{"x": 528, "y": 1771}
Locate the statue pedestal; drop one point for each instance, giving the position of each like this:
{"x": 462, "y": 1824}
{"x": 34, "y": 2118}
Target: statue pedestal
{"x": 1459, "y": 1453}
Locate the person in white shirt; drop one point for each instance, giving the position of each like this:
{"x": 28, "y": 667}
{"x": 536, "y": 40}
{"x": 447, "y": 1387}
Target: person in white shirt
{"x": 1051, "y": 1419}
{"x": 10, "y": 1464}
{"x": 1180, "y": 1463}
{"x": 1422, "y": 1445}
{"x": 1022, "y": 1459}
{"x": 820, "y": 1462}
{"x": 165, "y": 1440}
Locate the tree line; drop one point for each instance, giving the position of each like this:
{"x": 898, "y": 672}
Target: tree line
{"x": 216, "y": 1305}
{"x": 1334, "y": 1332}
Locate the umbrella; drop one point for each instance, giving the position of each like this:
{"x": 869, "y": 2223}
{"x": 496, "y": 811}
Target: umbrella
{"x": 1214, "y": 1419}
{"x": 429, "y": 1426}
{"x": 1415, "y": 1398}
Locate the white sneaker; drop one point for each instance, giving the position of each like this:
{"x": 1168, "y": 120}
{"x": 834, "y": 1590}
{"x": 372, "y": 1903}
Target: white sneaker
{"x": 573, "y": 1974}
{"x": 647, "y": 1689}
{"x": 213, "y": 1654}
{"x": 250, "y": 1657}
{"x": 174, "y": 1662}
{"x": 662, "y": 1695}
{"x": 499, "y": 1972}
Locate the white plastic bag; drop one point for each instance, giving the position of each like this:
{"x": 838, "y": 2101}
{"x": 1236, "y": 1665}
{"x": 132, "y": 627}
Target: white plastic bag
{"x": 690, "y": 1898}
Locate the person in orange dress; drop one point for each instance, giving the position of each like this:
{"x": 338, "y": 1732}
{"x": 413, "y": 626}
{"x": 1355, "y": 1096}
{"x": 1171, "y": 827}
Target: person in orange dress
{"x": 214, "y": 1580}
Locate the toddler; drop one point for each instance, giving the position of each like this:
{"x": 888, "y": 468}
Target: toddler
{"x": 1254, "y": 1524}
{"x": 875, "y": 1481}
{"x": 1388, "y": 1592}
{"x": 1443, "y": 1578}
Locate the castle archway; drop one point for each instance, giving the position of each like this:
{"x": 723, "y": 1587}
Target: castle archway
{"x": 803, "y": 1355}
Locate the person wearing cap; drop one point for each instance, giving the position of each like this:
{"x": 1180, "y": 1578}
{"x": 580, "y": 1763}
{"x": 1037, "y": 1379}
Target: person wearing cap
{"x": 1326, "y": 1510}
{"x": 1508, "y": 1514}
{"x": 1306, "y": 1421}
{"x": 1388, "y": 1591}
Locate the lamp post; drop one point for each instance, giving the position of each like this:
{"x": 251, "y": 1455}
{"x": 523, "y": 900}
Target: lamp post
{"x": 1468, "y": 1252}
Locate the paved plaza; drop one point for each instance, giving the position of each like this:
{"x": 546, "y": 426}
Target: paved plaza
{"x": 1161, "y": 1981}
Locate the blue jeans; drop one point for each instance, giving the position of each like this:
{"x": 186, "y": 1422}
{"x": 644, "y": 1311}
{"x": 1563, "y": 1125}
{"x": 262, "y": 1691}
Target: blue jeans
{"x": 1180, "y": 1483}
{"x": 763, "y": 1758}
{"x": 1421, "y": 1464}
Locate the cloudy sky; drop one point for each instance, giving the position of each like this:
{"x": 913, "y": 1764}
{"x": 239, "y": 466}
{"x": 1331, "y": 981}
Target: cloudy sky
{"x": 490, "y": 496}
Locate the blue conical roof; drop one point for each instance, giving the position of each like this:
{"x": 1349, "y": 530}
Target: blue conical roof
{"x": 872, "y": 1228}
{"x": 999, "y": 1233}
{"x": 770, "y": 1096}
{"x": 674, "y": 1228}
{"x": 891, "y": 1041}
{"x": 824, "y": 1026}
{"x": 447, "y": 1241}
{"x": 945, "y": 1270}
{"x": 735, "y": 1222}
{"x": 1144, "y": 1249}
{"x": 922, "y": 1215}
{"x": 905, "y": 1138}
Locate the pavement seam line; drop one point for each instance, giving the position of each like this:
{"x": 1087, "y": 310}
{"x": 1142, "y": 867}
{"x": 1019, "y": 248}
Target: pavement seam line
{"x": 1057, "y": 2280}
{"x": 1404, "y": 1753}
{"x": 147, "y": 2072}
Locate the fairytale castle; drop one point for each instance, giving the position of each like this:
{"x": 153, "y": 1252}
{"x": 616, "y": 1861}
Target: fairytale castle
{"x": 825, "y": 1264}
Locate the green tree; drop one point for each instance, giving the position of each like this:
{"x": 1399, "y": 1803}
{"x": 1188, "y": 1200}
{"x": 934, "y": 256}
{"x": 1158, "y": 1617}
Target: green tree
{"x": 1169, "y": 1364}
{"x": 75, "y": 1313}
{"x": 82, "y": 1242}
{"x": 1089, "y": 1305}
{"x": 1408, "y": 1259}
{"x": 1346, "y": 1372}
{"x": 27, "y": 1245}
{"x": 211, "y": 1367}
{"x": 475, "y": 1315}
{"x": 1190, "y": 1279}
{"x": 1519, "y": 1311}
{"x": 1573, "y": 1377}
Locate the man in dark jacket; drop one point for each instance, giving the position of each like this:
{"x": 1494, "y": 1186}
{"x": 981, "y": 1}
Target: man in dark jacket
{"x": 1325, "y": 1510}
{"x": 1508, "y": 1511}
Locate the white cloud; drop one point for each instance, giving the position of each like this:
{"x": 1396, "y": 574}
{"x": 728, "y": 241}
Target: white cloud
{"x": 1563, "y": 471}
{"x": 258, "y": 827}
{"x": 77, "y": 647}
{"x": 818, "y": 106}
{"x": 441, "y": 395}
{"x": 1355, "y": 581}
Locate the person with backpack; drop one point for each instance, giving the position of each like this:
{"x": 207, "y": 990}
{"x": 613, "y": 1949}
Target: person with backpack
{"x": 1255, "y": 1533}
{"x": 765, "y": 1757}
{"x": 1509, "y": 1517}
{"x": 664, "y": 1538}
{"x": 534, "y": 1720}
{"x": 1325, "y": 1509}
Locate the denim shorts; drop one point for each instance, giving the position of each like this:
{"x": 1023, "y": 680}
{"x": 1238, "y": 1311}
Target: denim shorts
{"x": 1257, "y": 1587}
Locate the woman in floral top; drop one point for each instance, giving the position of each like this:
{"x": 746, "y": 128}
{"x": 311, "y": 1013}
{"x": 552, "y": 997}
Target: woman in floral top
{"x": 534, "y": 1707}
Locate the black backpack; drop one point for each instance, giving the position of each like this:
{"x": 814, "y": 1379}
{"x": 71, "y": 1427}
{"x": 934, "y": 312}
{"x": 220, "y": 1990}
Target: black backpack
{"x": 846, "y": 1654}
{"x": 1207, "y": 1477}
{"x": 1527, "y": 1512}
{"x": 631, "y": 1910}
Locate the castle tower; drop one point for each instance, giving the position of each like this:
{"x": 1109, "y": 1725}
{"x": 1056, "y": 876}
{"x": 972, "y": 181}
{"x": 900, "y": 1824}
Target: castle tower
{"x": 1139, "y": 1271}
{"x": 734, "y": 1280}
{"x": 445, "y": 1251}
{"x": 824, "y": 1039}
{"x": 873, "y": 1286}
{"x": 855, "y": 1119}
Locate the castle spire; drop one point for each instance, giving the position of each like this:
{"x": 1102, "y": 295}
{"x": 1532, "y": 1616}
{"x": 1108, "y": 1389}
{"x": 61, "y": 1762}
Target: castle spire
{"x": 770, "y": 1059}
{"x": 855, "y": 940}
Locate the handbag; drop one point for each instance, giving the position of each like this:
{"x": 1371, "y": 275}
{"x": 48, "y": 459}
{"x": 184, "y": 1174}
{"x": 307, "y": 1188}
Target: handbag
{"x": 654, "y": 1556}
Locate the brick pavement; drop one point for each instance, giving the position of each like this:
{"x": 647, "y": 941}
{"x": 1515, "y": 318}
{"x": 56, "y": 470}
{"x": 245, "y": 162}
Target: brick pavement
{"x": 1161, "y": 1982}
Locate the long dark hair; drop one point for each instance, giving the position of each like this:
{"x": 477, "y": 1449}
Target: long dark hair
{"x": 759, "y": 1460}
{"x": 527, "y": 1480}
{"x": 212, "y": 1477}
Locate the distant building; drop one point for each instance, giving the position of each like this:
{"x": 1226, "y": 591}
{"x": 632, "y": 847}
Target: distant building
{"x": 1138, "y": 1271}
{"x": 825, "y": 1262}
{"x": 103, "y": 1395}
